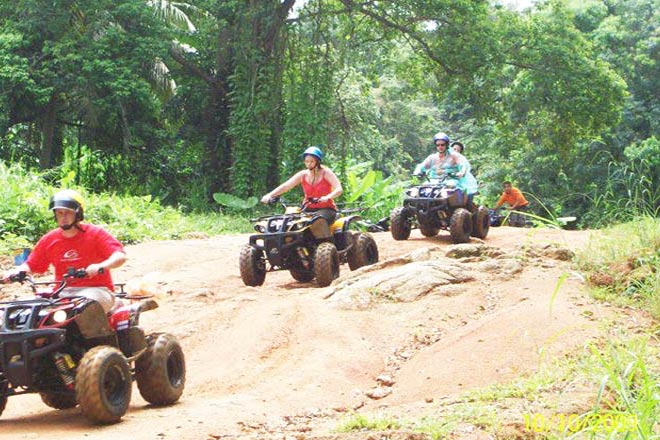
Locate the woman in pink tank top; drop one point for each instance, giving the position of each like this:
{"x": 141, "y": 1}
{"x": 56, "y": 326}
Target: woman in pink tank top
{"x": 319, "y": 184}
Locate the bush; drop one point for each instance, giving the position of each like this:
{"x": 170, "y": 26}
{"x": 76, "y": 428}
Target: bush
{"x": 24, "y": 215}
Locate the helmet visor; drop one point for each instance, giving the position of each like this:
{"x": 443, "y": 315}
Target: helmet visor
{"x": 65, "y": 204}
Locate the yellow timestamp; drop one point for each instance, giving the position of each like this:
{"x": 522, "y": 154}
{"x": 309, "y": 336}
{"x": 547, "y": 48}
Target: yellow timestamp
{"x": 594, "y": 422}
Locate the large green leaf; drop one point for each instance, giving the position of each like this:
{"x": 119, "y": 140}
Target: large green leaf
{"x": 234, "y": 202}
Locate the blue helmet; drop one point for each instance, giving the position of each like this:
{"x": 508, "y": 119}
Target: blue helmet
{"x": 314, "y": 151}
{"x": 440, "y": 136}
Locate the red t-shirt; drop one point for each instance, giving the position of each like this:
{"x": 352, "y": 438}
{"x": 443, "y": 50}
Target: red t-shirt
{"x": 93, "y": 245}
{"x": 319, "y": 189}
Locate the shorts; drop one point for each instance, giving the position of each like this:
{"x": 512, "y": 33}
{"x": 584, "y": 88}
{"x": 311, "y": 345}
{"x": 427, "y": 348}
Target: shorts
{"x": 102, "y": 295}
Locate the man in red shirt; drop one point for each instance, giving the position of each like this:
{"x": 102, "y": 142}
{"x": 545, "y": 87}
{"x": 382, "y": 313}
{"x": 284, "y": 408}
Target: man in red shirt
{"x": 74, "y": 245}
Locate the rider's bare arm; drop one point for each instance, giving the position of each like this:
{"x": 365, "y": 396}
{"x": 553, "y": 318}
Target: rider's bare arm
{"x": 113, "y": 261}
{"x": 286, "y": 186}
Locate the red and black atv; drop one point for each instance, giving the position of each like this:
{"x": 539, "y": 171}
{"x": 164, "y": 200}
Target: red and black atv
{"x": 71, "y": 352}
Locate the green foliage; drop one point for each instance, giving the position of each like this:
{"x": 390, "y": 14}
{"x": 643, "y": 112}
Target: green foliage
{"x": 359, "y": 422}
{"x": 24, "y": 215}
{"x": 631, "y": 191}
{"x": 233, "y": 202}
{"x": 23, "y": 212}
{"x": 537, "y": 96}
{"x": 368, "y": 189}
{"x": 628, "y": 387}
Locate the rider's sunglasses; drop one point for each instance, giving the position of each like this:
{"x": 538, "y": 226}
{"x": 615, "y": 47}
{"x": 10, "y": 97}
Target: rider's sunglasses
{"x": 441, "y": 144}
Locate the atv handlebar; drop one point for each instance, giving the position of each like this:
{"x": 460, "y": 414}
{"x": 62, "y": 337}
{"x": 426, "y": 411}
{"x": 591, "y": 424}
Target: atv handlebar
{"x": 23, "y": 276}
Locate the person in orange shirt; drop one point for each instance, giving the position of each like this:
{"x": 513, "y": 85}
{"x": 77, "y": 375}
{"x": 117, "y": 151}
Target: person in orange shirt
{"x": 513, "y": 197}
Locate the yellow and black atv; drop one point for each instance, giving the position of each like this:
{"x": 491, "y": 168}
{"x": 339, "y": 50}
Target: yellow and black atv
{"x": 302, "y": 243}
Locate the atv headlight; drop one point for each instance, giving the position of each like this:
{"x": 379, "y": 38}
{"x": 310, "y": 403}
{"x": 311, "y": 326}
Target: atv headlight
{"x": 412, "y": 192}
{"x": 275, "y": 224}
{"x": 59, "y": 316}
{"x": 2, "y": 318}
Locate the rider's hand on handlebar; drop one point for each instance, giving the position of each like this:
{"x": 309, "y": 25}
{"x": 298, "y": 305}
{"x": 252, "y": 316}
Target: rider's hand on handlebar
{"x": 94, "y": 269}
{"x": 13, "y": 276}
{"x": 269, "y": 199}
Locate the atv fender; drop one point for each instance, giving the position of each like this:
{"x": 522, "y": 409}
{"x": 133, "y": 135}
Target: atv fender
{"x": 93, "y": 322}
{"x": 344, "y": 223}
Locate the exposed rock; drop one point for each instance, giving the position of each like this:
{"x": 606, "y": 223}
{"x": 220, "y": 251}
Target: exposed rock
{"x": 552, "y": 250}
{"x": 403, "y": 283}
{"x": 504, "y": 267}
{"x": 379, "y": 392}
{"x": 385, "y": 380}
{"x": 466, "y": 250}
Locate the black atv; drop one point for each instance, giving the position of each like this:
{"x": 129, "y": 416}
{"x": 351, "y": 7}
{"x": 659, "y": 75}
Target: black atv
{"x": 438, "y": 204}
{"x": 302, "y": 243}
{"x": 71, "y": 352}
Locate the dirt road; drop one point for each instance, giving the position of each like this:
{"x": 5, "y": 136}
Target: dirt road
{"x": 281, "y": 359}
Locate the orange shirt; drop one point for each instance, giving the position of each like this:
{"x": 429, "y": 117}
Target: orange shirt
{"x": 514, "y": 199}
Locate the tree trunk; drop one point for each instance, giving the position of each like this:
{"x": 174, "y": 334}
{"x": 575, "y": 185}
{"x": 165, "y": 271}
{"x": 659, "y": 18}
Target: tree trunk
{"x": 48, "y": 125}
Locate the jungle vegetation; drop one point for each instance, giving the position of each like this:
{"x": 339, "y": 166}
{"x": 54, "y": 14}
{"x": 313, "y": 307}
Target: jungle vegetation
{"x": 182, "y": 101}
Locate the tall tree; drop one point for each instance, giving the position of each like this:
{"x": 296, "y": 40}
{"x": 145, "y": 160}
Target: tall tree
{"x": 88, "y": 68}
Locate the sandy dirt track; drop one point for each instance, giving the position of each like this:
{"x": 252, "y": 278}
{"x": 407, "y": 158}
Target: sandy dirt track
{"x": 259, "y": 357}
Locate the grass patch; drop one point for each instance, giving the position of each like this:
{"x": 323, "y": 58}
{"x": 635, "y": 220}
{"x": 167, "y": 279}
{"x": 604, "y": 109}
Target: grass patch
{"x": 622, "y": 264}
{"x": 360, "y": 422}
{"x": 607, "y": 389}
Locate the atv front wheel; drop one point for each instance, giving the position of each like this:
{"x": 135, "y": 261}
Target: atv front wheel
{"x": 460, "y": 226}
{"x": 161, "y": 370}
{"x": 326, "y": 264}
{"x": 252, "y": 266}
{"x": 400, "y": 225}
{"x": 103, "y": 384}
{"x": 59, "y": 400}
{"x": 480, "y": 222}
{"x": 302, "y": 275}
{"x": 364, "y": 251}
{"x": 428, "y": 231}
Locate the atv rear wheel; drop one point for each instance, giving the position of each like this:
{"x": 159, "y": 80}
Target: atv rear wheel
{"x": 103, "y": 384}
{"x": 460, "y": 226}
{"x": 59, "y": 400}
{"x": 326, "y": 264}
{"x": 400, "y": 225}
{"x": 364, "y": 251}
{"x": 480, "y": 222}
{"x": 252, "y": 266}
{"x": 302, "y": 275}
{"x": 161, "y": 370}
{"x": 4, "y": 394}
